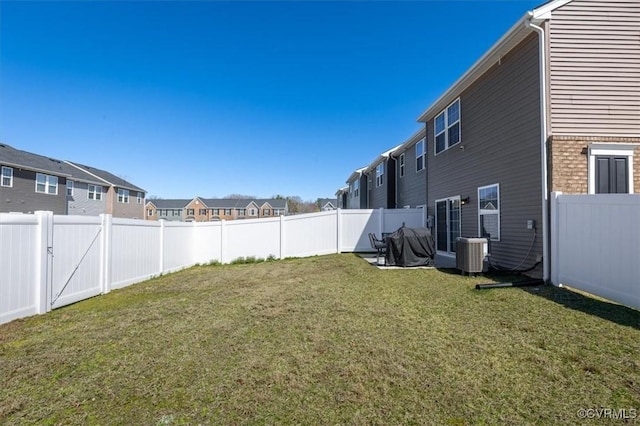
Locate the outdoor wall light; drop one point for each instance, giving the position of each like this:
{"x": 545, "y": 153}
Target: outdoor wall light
{"x": 464, "y": 201}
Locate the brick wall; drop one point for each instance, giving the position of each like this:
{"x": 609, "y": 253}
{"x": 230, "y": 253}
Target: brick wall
{"x": 568, "y": 160}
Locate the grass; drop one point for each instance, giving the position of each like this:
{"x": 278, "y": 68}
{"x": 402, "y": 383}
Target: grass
{"x": 325, "y": 340}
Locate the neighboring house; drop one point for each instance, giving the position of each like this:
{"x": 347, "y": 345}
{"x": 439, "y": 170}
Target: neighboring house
{"x": 342, "y": 197}
{"x": 327, "y": 204}
{"x": 382, "y": 181}
{"x": 357, "y": 189}
{"x": 122, "y": 199}
{"x": 552, "y": 106}
{"x": 210, "y": 209}
{"x": 31, "y": 182}
{"x": 411, "y": 172}
{"x": 171, "y": 210}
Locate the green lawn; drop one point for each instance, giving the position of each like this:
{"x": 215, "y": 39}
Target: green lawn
{"x": 326, "y": 340}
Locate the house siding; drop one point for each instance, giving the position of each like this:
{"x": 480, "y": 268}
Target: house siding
{"x": 80, "y": 204}
{"x": 412, "y": 187}
{"x": 594, "y": 63}
{"x": 130, "y": 210}
{"x": 500, "y": 137}
{"x": 23, "y": 198}
{"x": 377, "y": 194}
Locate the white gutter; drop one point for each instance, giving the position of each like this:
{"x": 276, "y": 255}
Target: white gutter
{"x": 543, "y": 144}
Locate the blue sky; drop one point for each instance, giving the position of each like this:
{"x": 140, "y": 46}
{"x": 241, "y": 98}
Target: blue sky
{"x": 208, "y": 98}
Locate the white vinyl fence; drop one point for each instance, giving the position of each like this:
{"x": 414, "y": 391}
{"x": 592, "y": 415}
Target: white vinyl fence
{"x": 49, "y": 261}
{"x": 595, "y": 245}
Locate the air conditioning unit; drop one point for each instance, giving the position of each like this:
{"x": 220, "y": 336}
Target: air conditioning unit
{"x": 470, "y": 254}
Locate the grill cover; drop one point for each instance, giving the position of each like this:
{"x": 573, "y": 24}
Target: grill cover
{"x": 410, "y": 247}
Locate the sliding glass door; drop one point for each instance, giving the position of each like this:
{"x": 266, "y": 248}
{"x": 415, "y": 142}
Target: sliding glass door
{"x": 447, "y": 224}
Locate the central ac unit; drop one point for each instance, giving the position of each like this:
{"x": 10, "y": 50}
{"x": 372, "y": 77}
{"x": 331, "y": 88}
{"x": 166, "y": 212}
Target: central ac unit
{"x": 470, "y": 254}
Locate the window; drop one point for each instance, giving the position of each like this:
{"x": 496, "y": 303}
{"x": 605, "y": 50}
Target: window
{"x": 489, "y": 211}
{"x": 356, "y": 188}
{"x": 611, "y": 168}
{"x": 447, "y": 127}
{"x": 215, "y": 212}
{"x": 149, "y": 212}
{"x": 420, "y": 155}
{"x": 69, "y": 188}
{"x": 94, "y": 192}
{"x": 252, "y": 212}
{"x": 402, "y": 165}
{"x": 202, "y": 212}
{"x": 277, "y": 212}
{"x": 7, "y": 176}
{"x": 242, "y": 212}
{"x": 227, "y": 212}
{"x": 46, "y": 184}
{"x": 190, "y": 212}
{"x": 123, "y": 196}
{"x": 139, "y": 198}
{"x": 380, "y": 174}
{"x": 267, "y": 212}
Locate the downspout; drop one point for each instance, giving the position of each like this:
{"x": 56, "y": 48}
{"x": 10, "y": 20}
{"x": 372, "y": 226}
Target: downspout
{"x": 543, "y": 145}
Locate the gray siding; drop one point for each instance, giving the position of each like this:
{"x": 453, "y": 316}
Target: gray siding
{"x": 130, "y": 210}
{"x": 594, "y": 58}
{"x": 377, "y": 194}
{"x": 22, "y": 196}
{"x": 412, "y": 187}
{"x": 80, "y": 204}
{"x": 500, "y": 130}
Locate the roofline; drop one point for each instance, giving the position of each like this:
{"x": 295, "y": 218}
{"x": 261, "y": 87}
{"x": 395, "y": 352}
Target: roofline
{"x": 381, "y": 158}
{"x": 35, "y": 169}
{"x": 356, "y": 174}
{"x": 417, "y": 136}
{"x": 89, "y": 173}
{"x": 506, "y": 43}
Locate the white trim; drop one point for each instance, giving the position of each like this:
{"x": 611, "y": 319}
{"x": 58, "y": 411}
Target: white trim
{"x": 2, "y": 176}
{"x": 47, "y": 184}
{"x": 447, "y": 126}
{"x": 423, "y": 141}
{"x": 70, "y": 187}
{"x": 447, "y": 199}
{"x": 401, "y": 165}
{"x": 610, "y": 149}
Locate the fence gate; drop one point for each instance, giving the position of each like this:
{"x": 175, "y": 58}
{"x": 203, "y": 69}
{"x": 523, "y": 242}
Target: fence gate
{"x": 77, "y": 253}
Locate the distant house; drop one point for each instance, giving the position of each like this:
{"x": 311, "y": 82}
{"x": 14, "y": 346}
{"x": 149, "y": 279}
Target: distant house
{"x": 381, "y": 181}
{"x": 411, "y": 171}
{"x": 342, "y": 197}
{"x": 358, "y": 189}
{"x": 327, "y": 204}
{"x": 171, "y": 210}
{"x": 201, "y": 209}
{"x": 31, "y": 182}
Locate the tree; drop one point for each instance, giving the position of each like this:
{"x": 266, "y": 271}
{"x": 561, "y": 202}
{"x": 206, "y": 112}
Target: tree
{"x": 240, "y": 197}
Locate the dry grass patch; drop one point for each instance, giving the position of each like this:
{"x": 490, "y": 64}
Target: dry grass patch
{"x": 324, "y": 340}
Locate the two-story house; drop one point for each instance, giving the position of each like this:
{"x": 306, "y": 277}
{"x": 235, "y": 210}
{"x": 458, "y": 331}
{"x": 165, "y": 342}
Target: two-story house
{"x": 201, "y": 209}
{"x": 33, "y": 182}
{"x": 411, "y": 172}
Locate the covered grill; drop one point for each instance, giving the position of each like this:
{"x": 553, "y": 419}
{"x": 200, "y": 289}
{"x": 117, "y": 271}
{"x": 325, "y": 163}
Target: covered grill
{"x": 410, "y": 247}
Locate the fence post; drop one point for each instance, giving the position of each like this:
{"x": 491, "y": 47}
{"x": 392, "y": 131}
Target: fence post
{"x": 161, "y": 257}
{"x": 339, "y": 230}
{"x": 223, "y": 242}
{"x": 282, "y": 236}
{"x": 44, "y": 254}
{"x": 105, "y": 254}
{"x": 554, "y": 263}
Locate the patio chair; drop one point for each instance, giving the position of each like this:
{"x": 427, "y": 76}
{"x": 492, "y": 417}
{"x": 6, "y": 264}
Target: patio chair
{"x": 379, "y": 245}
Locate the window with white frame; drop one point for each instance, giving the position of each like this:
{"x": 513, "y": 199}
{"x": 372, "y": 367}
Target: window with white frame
{"x": 277, "y": 212}
{"x": 227, "y": 212}
{"x": 149, "y": 212}
{"x": 380, "y": 174}
{"x": 123, "y": 196}
{"x": 202, "y": 212}
{"x": 267, "y": 212}
{"x": 242, "y": 212}
{"x": 401, "y": 161}
{"x": 356, "y": 188}
{"x": 420, "y": 156}
{"x": 69, "y": 188}
{"x": 611, "y": 168}
{"x": 252, "y": 212}
{"x": 46, "y": 184}
{"x": 139, "y": 198}
{"x": 489, "y": 211}
{"x": 7, "y": 176}
{"x": 447, "y": 127}
{"x": 94, "y": 192}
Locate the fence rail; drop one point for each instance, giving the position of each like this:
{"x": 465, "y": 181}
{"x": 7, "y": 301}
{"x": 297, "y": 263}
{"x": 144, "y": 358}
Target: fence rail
{"x": 49, "y": 261}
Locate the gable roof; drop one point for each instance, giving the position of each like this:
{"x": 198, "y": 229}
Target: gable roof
{"x": 106, "y": 176}
{"x": 380, "y": 158}
{"x": 514, "y": 36}
{"x": 169, "y": 204}
{"x": 324, "y": 201}
{"x": 413, "y": 139}
{"x": 241, "y": 203}
{"x": 356, "y": 174}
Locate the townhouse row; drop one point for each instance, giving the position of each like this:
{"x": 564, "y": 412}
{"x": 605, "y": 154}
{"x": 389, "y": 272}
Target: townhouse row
{"x": 30, "y": 182}
{"x": 207, "y": 209}
{"x": 553, "y": 105}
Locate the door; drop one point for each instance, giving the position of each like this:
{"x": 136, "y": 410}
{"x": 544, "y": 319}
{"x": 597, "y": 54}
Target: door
{"x": 447, "y": 224}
